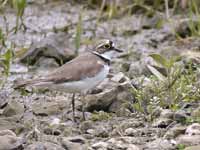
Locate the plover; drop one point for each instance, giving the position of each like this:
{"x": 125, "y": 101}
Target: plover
{"x": 79, "y": 75}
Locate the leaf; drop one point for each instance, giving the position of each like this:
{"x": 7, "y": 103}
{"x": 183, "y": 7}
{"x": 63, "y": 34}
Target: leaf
{"x": 6, "y": 62}
{"x": 20, "y": 6}
{"x": 153, "y": 70}
{"x": 160, "y": 60}
{"x": 2, "y": 38}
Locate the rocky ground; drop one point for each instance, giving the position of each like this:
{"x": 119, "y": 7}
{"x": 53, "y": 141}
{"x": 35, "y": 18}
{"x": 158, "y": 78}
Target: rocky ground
{"x": 38, "y": 119}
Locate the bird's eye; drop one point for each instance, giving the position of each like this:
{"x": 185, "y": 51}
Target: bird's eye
{"x": 107, "y": 46}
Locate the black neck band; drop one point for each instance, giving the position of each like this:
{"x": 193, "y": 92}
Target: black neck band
{"x": 103, "y": 58}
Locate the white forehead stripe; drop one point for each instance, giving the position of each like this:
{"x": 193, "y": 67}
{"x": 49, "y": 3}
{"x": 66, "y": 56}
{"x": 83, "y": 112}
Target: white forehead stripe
{"x": 107, "y": 41}
{"x": 113, "y": 44}
{"x": 104, "y": 42}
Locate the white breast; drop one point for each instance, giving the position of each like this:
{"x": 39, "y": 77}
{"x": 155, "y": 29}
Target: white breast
{"x": 83, "y": 85}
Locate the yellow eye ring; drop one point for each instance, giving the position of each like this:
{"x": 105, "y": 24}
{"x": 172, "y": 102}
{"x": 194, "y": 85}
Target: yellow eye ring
{"x": 107, "y": 46}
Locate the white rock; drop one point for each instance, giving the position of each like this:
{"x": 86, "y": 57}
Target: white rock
{"x": 100, "y": 145}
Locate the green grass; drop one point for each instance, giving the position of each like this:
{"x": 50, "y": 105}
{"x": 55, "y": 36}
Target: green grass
{"x": 101, "y": 115}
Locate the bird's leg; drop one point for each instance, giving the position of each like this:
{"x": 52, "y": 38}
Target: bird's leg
{"x": 73, "y": 106}
{"x": 83, "y": 107}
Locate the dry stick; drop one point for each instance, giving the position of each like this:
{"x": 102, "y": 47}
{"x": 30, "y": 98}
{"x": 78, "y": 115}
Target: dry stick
{"x": 167, "y": 9}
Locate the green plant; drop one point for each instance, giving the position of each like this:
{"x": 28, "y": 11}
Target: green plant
{"x": 178, "y": 84}
{"x": 180, "y": 146}
{"x": 5, "y": 60}
{"x": 101, "y": 115}
{"x": 6, "y": 56}
{"x": 2, "y": 38}
{"x": 141, "y": 98}
{"x": 194, "y": 15}
{"x": 171, "y": 86}
{"x": 6, "y": 48}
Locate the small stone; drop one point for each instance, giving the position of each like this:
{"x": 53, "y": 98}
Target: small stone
{"x": 196, "y": 112}
{"x": 84, "y": 126}
{"x": 3, "y": 98}
{"x": 55, "y": 122}
{"x": 162, "y": 122}
{"x": 18, "y": 68}
{"x": 167, "y": 113}
{"x": 130, "y": 132}
{"x": 69, "y": 145}
{"x": 76, "y": 139}
{"x": 52, "y": 131}
{"x": 100, "y": 145}
{"x": 119, "y": 77}
{"x": 102, "y": 131}
{"x": 121, "y": 143}
{"x": 174, "y": 132}
{"x": 193, "y": 129}
{"x": 13, "y": 108}
{"x": 90, "y": 131}
{"x": 43, "y": 146}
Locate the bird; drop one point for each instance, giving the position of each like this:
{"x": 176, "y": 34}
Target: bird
{"x": 81, "y": 74}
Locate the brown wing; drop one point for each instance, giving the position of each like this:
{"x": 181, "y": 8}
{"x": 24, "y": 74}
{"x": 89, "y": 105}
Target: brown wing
{"x": 86, "y": 65}
{"x": 83, "y": 66}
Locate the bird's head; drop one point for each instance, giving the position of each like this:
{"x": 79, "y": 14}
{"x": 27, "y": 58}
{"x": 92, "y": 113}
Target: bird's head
{"x": 106, "y": 49}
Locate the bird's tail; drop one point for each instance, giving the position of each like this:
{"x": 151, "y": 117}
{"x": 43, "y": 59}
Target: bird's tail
{"x": 20, "y": 84}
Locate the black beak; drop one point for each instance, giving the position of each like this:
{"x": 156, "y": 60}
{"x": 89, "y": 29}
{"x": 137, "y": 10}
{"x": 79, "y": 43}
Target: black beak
{"x": 117, "y": 50}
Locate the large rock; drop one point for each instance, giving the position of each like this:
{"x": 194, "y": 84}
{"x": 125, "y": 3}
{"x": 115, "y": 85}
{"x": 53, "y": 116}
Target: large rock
{"x": 53, "y": 46}
{"x": 113, "y": 97}
{"x": 101, "y": 101}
